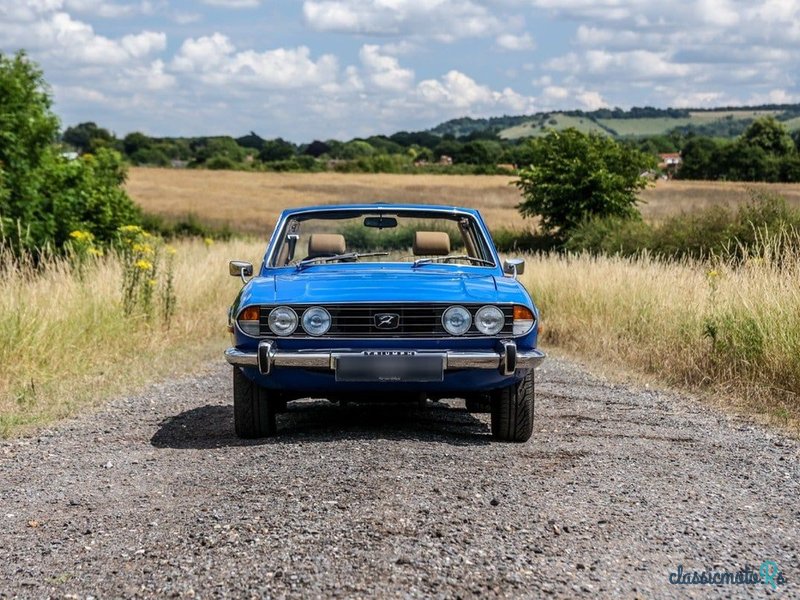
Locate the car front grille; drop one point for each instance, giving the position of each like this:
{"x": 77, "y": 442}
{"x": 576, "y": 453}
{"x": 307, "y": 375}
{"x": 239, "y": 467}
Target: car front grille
{"x": 413, "y": 320}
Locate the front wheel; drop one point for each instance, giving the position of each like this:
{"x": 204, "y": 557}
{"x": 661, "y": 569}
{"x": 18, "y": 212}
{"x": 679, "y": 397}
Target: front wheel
{"x": 253, "y": 410}
{"x": 512, "y": 411}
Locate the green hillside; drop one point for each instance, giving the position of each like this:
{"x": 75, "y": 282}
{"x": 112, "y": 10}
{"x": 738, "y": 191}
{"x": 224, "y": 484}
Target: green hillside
{"x": 557, "y": 121}
{"x": 724, "y": 122}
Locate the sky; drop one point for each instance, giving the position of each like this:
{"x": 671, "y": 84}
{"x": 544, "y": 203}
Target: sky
{"x": 318, "y": 69}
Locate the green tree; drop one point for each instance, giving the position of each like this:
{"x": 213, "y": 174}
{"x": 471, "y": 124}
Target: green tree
{"x": 277, "y": 149}
{"x": 44, "y": 196}
{"x": 702, "y": 159}
{"x": 28, "y": 129}
{"x": 87, "y": 137}
{"x": 136, "y": 141}
{"x": 769, "y": 135}
{"x": 575, "y": 176}
{"x": 223, "y": 149}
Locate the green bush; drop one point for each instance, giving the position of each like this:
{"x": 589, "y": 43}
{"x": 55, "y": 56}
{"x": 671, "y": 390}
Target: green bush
{"x": 714, "y": 231}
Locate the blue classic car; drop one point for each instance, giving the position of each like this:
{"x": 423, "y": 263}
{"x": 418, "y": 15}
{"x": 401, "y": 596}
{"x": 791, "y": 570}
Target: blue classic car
{"x": 383, "y": 301}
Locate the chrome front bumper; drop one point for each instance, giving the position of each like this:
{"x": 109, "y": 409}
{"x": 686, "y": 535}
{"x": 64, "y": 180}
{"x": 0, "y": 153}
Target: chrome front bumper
{"x": 506, "y": 359}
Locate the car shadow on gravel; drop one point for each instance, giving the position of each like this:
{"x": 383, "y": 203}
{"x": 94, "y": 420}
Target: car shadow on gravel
{"x": 211, "y": 426}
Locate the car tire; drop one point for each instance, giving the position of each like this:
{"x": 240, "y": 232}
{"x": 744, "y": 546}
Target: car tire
{"x": 253, "y": 411}
{"x": 512, "y": 411}
{"x": 478, "y": 403}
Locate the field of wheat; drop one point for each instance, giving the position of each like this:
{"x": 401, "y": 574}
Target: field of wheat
{"x": 251, "y": 202}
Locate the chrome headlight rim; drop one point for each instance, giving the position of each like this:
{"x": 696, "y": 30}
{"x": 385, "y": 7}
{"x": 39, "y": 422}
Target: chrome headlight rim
{"x": 501, "y": 319}
{"x": 307, "y": 314}
{"x": 467, "y": 320}
{"x": 271, "y": 319}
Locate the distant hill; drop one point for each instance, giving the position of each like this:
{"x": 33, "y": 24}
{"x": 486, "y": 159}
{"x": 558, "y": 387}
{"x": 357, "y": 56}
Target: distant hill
{"x": 724, "y": 122}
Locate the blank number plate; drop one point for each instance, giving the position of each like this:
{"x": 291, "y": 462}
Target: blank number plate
{"x": 390, "y": 367}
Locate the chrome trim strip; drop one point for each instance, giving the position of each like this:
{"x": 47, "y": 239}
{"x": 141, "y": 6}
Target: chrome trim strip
{"x": 241, "y": 359}
{"x": 272, "y": 357}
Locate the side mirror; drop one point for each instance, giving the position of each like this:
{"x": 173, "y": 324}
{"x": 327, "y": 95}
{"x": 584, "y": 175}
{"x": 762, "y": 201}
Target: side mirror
{"x": 514, "y": 267}
{"x": 240, "y": 268}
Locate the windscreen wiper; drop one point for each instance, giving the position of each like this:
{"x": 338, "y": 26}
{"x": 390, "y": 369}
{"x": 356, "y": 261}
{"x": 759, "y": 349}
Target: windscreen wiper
{"x": 346, "y": 256}
{"x": 427, "y": 261}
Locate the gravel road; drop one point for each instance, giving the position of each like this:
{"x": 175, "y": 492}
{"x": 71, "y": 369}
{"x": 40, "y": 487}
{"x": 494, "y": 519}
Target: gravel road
{"x": 152, "y": 496}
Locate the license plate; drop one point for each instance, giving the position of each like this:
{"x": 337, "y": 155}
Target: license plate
{"x": 390, "y": 367}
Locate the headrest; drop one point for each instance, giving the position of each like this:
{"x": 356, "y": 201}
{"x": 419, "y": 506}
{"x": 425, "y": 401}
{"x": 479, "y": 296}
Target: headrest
{"x": 325, "y": 243}
{"x": 431, "y": 243}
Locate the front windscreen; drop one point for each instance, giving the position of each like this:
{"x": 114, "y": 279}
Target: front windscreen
{"x": 350, "y": 236}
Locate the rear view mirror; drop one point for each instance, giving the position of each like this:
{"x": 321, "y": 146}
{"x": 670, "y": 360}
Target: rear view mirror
{"x": 240, "y": 268}
{"x": 380, "y": 222}
{"x": 514, "y": 267}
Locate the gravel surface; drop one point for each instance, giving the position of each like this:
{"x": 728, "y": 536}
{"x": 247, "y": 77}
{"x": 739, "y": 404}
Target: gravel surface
{"x": 153, "y": 496}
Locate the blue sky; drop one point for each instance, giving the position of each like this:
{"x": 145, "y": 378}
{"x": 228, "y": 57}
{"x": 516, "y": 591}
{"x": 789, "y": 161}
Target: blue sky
{"x": 305, "y": 69}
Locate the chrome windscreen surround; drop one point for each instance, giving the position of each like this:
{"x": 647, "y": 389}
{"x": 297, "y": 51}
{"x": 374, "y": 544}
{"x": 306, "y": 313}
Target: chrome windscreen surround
{"x": 390, "y": 320}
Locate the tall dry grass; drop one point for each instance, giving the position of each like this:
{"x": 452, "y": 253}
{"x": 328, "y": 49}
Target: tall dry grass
{"x": 731, "y": 329}
{"x": 65, "y": 342}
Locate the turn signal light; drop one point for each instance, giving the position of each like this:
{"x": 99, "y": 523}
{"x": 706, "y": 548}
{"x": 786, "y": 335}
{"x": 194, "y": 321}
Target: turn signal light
{"x": 523, "y": 319}
{"x": 251, "y": 313}
{"x": 522, "y": 312}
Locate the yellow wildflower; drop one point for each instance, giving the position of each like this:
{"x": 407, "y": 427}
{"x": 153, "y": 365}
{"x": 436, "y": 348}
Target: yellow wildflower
{"x": 143, "y": 265}
{"x": 712, "y": 274}
{"x": 142, "y": 248}
{"x": 95, "y": 252}
{"x": 130, "y": 229}
{"x": 151, "y": 282}
{"x": 208, "y": 241}
{"x": 81, "y": 236}
{"x": 171, "y": 250}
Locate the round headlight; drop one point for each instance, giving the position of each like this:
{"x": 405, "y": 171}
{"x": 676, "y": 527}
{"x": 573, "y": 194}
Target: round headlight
{"x": 489, "y": 320}
{"x": 456, "y": 320}
{"x": 282, "y": 320}
{"x": 316, "y": 320}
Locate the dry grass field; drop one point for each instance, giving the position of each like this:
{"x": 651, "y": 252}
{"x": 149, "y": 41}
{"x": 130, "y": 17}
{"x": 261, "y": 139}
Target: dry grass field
{"x": 250, "y": 202}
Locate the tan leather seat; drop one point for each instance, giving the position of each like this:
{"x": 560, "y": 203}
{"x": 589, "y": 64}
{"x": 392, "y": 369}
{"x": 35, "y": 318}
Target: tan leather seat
{"x": 323, "y": 244}
{"x": 431, "y": 243}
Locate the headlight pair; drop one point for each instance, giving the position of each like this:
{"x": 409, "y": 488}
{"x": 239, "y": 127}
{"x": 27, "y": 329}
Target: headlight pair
{"x": 283, "y": 321}
{"x": 457, "y": 320}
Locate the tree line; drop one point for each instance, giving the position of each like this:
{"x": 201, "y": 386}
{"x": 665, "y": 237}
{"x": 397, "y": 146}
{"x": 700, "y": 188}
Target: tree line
{"x": 763, "y": 151}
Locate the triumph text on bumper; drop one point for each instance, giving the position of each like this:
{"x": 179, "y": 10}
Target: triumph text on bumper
{"x": 506, "y": 359}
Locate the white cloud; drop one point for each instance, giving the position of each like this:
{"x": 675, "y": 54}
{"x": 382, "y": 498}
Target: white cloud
{"x": 215, "y": 60}
{"x": 509, "y": 41}
{"x": 143, "y": 44}
{"x": 555, "y": 92}
{"x": 459, "y": 91}
{"x": 151, "y": 77}
{"x": 696, "y": 99}
{"x": 591, "y": 100}
{"x": 443, "y": 20}
{"x": 41, "y": 25}
{"x": 776, "y": 96}
{"x": 385, "y": 71}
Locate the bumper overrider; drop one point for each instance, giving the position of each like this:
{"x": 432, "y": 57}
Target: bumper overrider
{"x": 506, "y": 359}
